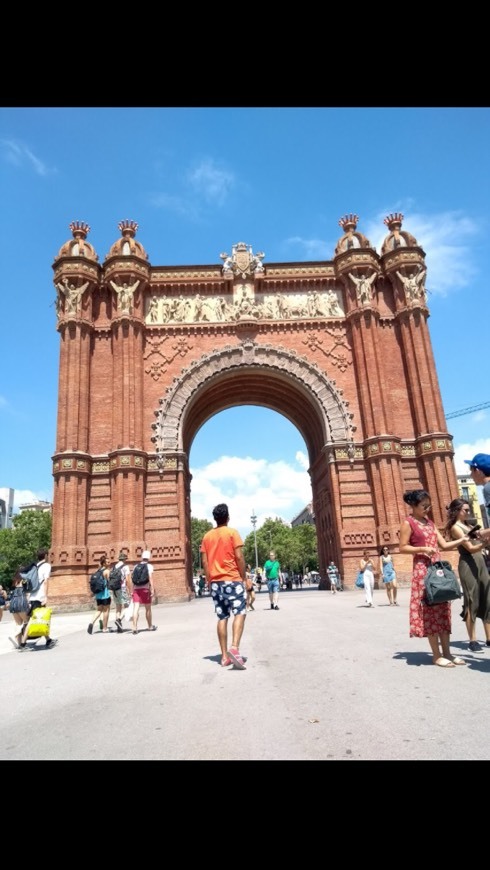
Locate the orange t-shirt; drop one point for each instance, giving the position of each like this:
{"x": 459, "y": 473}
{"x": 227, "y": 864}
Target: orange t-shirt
{"x": 219, "y": 546}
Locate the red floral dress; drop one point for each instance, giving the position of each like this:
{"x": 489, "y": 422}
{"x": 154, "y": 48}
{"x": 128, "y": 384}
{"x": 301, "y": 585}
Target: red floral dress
{"x": 425, "y": 620}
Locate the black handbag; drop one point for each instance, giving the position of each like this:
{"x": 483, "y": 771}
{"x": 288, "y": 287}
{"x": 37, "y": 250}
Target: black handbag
{"x": 441, "y": 584}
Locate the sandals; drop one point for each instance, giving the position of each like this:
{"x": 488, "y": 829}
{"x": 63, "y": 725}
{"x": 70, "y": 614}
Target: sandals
{"x": 457, "y": 661}
{"x": 444, "y": 663}
{"x": 225, "y": 663}
{"x": 236, "y": 658}
{"x": 153, "y": 628}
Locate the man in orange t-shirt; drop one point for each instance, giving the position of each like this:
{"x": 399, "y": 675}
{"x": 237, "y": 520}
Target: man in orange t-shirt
{"x": 224, "y": 566}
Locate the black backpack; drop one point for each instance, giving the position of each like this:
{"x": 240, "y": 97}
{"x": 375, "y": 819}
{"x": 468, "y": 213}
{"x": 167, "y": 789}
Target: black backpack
{"x": 115, "y": 578}
{"x": 140, "y": 575}
{"x": 97, "y": 581}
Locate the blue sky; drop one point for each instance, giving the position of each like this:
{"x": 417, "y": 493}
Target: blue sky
{"x": 199, "y": 180}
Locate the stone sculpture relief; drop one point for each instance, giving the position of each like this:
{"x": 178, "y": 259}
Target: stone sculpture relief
{"x": 245, "y": 305}
{"x": 72, "y": 294}
{"x": 124, "y": 295}
{"x": 414, "y": 286}
{"x": 364, "y": 289}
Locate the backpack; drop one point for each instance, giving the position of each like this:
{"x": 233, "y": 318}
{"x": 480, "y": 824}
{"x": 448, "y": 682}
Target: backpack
{"x": 115, "y": 578}
{"x": 441, "y": 584}
{"x": 97, "y": 581}
{"x": 30, "y": 577}
{"x": 140, "y": 575}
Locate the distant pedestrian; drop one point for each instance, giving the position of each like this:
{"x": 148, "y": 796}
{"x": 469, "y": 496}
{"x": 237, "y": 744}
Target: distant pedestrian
{"x": 102, "y": 599}
{"x": 143, "y": 591}
{"x": 121, "y": 596}
{"x": 272, "y": 571}
{"x": 333, "y": 576}
{"x": 40, "y": 597}
{"x": 201, "y": 585}
{"x": 250, "y": 589}
{"x": 388, "y": 573}
{"x": 258, "y": 580}
{"x": 224, "y": 567}
{"x": 367, "y": 568}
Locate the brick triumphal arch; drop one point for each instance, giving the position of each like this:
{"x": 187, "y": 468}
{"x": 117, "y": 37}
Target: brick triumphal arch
{"x": 149, "y": 353}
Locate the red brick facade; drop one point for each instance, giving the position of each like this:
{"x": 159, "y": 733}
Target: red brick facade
{"x": 148, "y": 354}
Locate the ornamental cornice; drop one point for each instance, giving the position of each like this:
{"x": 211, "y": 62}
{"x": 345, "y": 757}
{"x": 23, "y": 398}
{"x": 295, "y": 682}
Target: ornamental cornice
{"x": 402, "y": 257}
{"x": 189, "y": 276}
{"x": 68, "y": 266}
{"x": 293, "y": 272}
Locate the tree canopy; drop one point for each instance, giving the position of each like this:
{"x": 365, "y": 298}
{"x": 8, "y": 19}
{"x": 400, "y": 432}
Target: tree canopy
{"x": 295, "y": 547}
{"x": 31, "y": 532}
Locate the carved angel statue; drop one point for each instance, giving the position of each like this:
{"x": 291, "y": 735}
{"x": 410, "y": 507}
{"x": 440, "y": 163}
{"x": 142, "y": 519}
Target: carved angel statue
{"x": 72, "y": 295}
{"x": 413, "y": 284}
{"x": 363, "y": 287}
{"x": 124, "y": 295}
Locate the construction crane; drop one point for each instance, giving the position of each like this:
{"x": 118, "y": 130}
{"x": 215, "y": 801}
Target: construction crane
{"x": 468, "y": 410}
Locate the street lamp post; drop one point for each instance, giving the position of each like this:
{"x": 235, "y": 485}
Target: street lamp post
{"x": 253, "y": 520}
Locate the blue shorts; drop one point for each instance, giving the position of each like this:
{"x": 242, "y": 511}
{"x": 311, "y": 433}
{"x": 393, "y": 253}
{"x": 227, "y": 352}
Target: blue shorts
{"x": 273, "y": 585}
{"x": 229, "y": 598}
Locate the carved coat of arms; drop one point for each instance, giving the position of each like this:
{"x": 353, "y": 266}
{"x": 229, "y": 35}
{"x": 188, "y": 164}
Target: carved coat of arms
{"x": 243, "y": 261}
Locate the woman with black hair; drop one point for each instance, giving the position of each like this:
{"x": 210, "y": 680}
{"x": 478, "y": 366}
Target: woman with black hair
{"x": 472, "y": 570}
{"x": 420, "y": 537}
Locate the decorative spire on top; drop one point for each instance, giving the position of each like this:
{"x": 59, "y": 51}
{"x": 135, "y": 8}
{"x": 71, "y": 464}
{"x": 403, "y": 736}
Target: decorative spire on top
{"x": 394, "y": 221}
{"x": 128, "y": 228}
{"x": 352, "y": 238}
{"x": 397, "y": 238}
{"x": 78, "y": 245}
{"x": 349, "y": 222}
{"x": 79, "y": 229}
{"x": 127, "y": 245}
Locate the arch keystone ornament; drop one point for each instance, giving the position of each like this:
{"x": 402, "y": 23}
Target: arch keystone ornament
{"x": 165, "y": 348}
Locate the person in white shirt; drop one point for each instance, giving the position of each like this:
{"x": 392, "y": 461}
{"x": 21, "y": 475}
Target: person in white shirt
{"x": 40, "y": 598}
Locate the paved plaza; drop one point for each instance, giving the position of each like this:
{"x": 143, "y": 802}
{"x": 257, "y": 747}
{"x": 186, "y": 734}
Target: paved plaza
{"x": 327, "y": 679}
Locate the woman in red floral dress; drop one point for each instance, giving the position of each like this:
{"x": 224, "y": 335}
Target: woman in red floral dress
{"x": 419, "y": 536}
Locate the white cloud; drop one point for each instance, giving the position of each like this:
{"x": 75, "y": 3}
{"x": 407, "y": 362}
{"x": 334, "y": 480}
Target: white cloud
{"x": 448, "y": 263}
{"x": 468, "y": 451}
{"x": 176, "y": 204}
{"x": 249, "y": 486}
{"x": 26, "y": 496}
{"x": 313, "y": 249}
{"x": 18, "y": 154}
{"x": 209, "y": 181}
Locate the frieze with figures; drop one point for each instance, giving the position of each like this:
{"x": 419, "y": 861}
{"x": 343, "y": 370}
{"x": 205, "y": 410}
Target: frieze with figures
{"x": 247, "y": 304}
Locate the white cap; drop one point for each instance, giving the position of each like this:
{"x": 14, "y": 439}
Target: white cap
{"x": 146, "y": 554}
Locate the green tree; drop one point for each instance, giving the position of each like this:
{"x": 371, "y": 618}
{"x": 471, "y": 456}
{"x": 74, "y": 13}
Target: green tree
{"x": 198, "y": 530}
{"x": 305, "y": 548}
{"x": 19, "y": 545}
